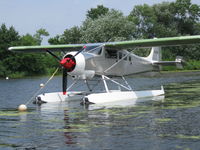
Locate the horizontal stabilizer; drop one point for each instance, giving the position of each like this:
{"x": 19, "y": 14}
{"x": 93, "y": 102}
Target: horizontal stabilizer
{"x": 178, "y": 62}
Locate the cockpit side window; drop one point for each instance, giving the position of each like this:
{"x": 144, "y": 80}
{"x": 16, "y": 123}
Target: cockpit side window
{"x": 109, "y": 53}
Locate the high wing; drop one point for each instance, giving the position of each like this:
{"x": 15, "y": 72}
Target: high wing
{"x": 66, "y": 47}
{"x": 171, "y": 41}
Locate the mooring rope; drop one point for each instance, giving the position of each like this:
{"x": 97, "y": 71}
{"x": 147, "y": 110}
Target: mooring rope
{"x": 36, "y": 93}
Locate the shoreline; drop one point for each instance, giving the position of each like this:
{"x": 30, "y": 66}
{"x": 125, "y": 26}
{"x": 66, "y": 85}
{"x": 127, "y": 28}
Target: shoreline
{"x": 168, "y": 73}
{"x": 147, "y": 74}
{"x": 177, "y": 73}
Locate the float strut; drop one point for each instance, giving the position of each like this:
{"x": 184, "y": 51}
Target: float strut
{"x": 105, "y": 84}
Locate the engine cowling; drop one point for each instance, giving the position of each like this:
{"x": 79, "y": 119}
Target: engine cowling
{"x": 76, "y": 66}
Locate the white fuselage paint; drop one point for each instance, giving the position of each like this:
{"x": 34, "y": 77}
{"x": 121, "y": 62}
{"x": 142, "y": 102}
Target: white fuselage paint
{"x": 104, "y": 65}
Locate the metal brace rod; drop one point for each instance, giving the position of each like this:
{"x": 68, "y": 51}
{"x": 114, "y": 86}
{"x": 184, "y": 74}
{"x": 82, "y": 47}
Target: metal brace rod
{"x": 127, "y": 83}
{"x": 86, "y": 81}
{"x": 117, "y": 83}
{"x": 105, "y": 84}
{"x": 72, "y": 85}
{"x": 118, "y": 61}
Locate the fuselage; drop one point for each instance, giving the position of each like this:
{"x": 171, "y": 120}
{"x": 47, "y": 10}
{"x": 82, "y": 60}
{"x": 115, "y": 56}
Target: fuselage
{"x": 103, "y": 61}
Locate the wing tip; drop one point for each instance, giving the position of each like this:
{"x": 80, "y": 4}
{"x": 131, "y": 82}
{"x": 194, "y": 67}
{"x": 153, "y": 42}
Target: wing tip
{"x": 10, "y": 48}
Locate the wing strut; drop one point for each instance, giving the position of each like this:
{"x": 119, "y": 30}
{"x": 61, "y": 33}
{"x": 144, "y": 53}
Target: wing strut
{"x": 112, "y": 66}
{"x": 52, "y": 54}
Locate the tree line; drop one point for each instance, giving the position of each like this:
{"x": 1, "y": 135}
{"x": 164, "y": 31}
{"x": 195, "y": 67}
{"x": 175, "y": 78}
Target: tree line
{"x": 166, "y": 19}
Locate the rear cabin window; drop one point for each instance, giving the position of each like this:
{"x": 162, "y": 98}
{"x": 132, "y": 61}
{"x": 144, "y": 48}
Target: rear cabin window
{"x": 125, "y": 57}
{"x": 120, "y": 55}
{"x": 130, "y": 58}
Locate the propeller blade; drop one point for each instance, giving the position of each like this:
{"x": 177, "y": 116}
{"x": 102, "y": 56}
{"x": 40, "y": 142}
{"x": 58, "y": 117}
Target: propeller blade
{"x": 52, "y": 54}
{"x": 64, "y": 81}
{"x": 80, "y": 51}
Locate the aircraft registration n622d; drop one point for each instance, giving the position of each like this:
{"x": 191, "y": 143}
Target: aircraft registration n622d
{"x": 116, "y": 59}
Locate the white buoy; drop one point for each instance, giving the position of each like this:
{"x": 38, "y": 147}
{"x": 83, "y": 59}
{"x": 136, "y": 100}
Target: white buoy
{"x": 7, "y": 78}
{"x": 41, "y": 85}
{"x": 22, "y": 107}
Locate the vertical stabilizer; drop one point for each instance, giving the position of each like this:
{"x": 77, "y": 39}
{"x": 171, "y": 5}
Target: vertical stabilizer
{"x": 155, "y": 54}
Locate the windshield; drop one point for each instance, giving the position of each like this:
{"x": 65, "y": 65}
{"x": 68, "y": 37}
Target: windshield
{"x": 94, "y": 49}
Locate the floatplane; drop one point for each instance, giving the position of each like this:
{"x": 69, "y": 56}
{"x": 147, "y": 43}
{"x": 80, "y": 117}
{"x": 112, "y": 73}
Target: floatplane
{"x": 107, "y": 61}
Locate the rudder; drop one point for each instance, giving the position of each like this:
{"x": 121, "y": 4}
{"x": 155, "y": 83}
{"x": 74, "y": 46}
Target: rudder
{"x": 155, "y": 54}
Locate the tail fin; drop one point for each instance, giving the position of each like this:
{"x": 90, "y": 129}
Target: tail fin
{"x": 155, "y": 54}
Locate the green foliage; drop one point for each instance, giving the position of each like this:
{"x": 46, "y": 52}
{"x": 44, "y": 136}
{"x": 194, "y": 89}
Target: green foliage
{"x": 110, "y": 27}
{"x": 192, "y": 65}
{"x": 143, "y": 52}
{"x": 186, "y": 16}
{"x": 70, "y": 36}
{"x": 55, "y": 40}
{"x": 95, "y": 13}
{"x": 144, "y": 19}
{"x": 18, "y": 74}
{"x": 27, "y": 40}
{"x": 39, "y": 34}
{"x": 21, "y": 64}
{"x": 8, "y": 37}
{"x": 168, "y": 20}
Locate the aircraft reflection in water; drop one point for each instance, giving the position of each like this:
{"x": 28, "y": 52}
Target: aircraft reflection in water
{"x": 79, "y": 125}
{"x": 106, "y": 60}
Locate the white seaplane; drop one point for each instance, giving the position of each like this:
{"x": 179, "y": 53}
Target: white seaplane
{"x": 107, "y": 60}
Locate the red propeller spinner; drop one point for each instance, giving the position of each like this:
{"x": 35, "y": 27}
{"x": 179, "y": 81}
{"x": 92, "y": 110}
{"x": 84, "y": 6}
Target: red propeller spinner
{"x": 68, "y": 62}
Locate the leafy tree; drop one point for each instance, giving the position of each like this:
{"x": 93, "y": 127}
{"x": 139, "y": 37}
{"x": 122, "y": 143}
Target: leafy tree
{"x": 112, "y": 26}
{"x": 28, "y": 39}
{"x": 167, "y": 20}
{"x": 70, "y": 36}
{"x": 38, "y": 36}
{"x": 144, "y": 18}
{"x": 15, "y": 64}
{"x": 95, "y": 13}
{"x": 165, "y": 25}
{"x": 153, "y": 21}
{"x": 8, "y": 37}
{"x": 74, "y": 34}
{"x": 55, "y": 40}
{"x": 32, "y": 63}
{"x": 187, "y": 16}
{"x": 35, "y": 39}
{"x": 3, "y": 70}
